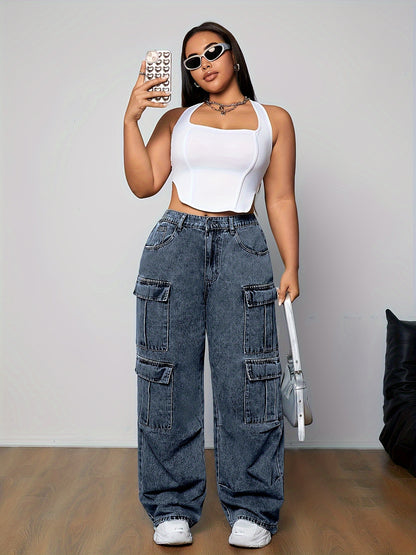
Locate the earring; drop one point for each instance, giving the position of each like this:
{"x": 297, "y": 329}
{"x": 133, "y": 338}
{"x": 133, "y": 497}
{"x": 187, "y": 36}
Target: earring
{"x": 196, "y": 85}
{"x": 236, "y": 67}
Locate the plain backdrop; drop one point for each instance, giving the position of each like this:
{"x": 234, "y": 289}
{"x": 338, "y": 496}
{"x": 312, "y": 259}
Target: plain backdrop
{"x": 72, "y": 232}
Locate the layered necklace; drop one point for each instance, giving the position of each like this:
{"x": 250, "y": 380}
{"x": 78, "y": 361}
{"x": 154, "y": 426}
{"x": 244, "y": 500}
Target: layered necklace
{"x": 225, "y": 108}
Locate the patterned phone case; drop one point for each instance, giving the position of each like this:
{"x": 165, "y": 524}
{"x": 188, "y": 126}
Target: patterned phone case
{"x": 159, "y": 64}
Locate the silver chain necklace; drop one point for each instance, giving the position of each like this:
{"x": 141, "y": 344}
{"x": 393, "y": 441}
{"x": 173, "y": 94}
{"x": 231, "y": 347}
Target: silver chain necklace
{"x": 225, "y": 108}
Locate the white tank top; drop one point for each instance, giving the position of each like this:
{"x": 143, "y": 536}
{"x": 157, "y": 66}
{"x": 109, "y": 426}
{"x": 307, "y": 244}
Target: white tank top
{"x": 219, "y": 170}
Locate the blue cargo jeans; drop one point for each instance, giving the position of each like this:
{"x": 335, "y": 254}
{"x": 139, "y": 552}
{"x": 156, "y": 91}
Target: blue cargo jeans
{"x": 208, "y": 275}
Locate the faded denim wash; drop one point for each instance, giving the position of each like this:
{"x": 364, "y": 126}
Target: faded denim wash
{"x": 208, "y": 275}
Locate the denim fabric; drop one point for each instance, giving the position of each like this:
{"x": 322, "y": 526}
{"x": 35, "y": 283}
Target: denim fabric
{"x": 208, "y": 275}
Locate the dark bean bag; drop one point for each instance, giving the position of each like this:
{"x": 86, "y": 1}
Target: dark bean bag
{"x": 399, "y": 433}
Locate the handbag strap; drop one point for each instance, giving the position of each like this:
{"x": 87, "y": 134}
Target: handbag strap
{"x": 294, "y": 346}
{"x": 299, "y": 383}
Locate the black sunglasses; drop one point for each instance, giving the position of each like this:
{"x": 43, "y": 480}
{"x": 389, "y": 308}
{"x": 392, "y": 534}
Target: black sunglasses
{"x": 212, "y": 53}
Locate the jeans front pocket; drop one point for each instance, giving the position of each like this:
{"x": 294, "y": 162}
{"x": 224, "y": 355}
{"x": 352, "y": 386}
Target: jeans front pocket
{"x": 251, "y": 239}
{"x": 260, "y": 330}
{"x": 155, "y": 393}
{"x": 152, "y": 325}
{"x": 262, "y": 391}
{"x": 161, "y": 235}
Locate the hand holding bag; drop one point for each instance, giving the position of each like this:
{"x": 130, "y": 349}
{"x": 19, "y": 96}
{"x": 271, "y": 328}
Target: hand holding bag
{"x": 295, "y": 400}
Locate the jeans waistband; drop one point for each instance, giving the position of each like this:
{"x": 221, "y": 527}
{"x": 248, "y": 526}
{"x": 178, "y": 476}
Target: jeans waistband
{"x": 209, "y": 222}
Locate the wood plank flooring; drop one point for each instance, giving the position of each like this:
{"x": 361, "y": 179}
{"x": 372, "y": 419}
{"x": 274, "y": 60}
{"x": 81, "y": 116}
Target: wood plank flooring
{"x": 70, "y": 501}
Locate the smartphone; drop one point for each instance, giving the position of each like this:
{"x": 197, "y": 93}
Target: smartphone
{"x": 159, "y": 64}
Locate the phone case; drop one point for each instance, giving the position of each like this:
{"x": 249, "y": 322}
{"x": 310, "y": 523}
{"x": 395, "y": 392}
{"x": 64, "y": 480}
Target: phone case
{"x": 159, "y": 64}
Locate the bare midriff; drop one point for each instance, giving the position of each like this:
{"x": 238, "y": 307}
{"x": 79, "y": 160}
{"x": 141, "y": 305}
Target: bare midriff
{"x": 179, "y": 206}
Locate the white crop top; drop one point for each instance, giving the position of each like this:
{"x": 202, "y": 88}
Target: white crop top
{"x": 219, "y": 170}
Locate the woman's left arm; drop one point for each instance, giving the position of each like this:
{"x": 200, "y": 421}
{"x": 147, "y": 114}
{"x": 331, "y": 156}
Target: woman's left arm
{"x": 279, "y": 187}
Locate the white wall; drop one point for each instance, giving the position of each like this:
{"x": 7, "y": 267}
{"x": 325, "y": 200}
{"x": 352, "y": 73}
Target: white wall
{"x": 73, "y": 232}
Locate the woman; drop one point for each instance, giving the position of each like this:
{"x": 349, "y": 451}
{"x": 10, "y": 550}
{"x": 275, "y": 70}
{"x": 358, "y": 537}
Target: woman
{"x": 206, "y": 269}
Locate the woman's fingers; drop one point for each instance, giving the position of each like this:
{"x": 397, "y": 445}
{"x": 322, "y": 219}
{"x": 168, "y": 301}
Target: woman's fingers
{"x": 152, "y": 94}
{"x": 140, "y": 79}
{"x": 281, "y": 295}
{"x": 292, "y": 294}
{"x": 142, "y": 98}
{"x": 142, "y": 85}
{"x": 150, "y": 104}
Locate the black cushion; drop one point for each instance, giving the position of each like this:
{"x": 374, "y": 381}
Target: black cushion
{"x": 399, "y": 433}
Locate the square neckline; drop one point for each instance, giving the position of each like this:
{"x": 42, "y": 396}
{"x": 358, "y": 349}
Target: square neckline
{"x": 222, "y": 129}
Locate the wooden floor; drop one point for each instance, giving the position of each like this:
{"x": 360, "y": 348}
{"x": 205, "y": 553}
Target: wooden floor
{"x": 60, "y": 501}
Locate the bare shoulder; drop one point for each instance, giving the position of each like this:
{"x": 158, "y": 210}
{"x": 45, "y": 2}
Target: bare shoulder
{"x": 280, "y": 120}
{"x": 278, "y": 114}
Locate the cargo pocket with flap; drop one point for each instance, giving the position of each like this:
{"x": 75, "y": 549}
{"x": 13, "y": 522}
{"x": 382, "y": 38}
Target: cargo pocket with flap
{"x": 152, "y": 324}
{"x": 262, "y": 391}
{"x": 260, "y": 331}
{"x": 155, "y": 393}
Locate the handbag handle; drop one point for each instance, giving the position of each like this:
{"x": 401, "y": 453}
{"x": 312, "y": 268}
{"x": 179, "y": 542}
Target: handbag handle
{"x": 299, "y": 383}
{"x": 294, "y": 346}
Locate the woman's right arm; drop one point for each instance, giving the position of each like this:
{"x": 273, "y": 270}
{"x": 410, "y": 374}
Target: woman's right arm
{"x": 146, "y": 167}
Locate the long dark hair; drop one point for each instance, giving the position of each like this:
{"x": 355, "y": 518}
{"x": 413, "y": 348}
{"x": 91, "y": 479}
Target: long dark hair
{"x": 191, "y": 94}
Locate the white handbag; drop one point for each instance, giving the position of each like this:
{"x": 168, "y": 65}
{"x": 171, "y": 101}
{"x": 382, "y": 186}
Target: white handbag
{"x": 295, "y": 399}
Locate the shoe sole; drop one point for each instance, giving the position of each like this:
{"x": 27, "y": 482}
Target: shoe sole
{"x": 163, "y": 540}
{"x": 239, "y": 542}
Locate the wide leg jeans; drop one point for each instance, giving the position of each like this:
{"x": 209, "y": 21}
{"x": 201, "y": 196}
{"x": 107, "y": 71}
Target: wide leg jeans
{"x": 209, "y": 276}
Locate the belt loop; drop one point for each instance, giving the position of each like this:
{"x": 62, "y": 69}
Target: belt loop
{"x": 231, "y": 222}
{"x": 181, "y": 222}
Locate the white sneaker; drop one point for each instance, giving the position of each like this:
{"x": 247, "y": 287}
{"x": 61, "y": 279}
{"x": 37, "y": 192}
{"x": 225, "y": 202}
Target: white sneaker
{"x": 249, "y": 534}
{"x": 173, "y": 532}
